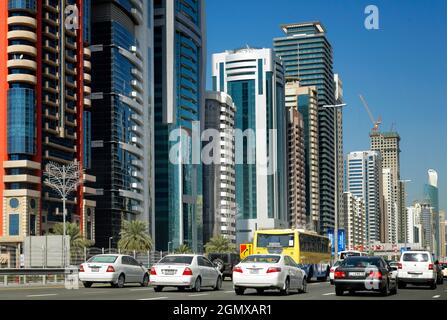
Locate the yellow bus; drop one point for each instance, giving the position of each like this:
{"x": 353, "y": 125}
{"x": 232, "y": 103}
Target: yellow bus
{"x": 308, "y": 249}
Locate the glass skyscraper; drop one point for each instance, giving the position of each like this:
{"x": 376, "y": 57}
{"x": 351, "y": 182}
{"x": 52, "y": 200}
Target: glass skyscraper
{"x": 431, "y": 194}
{"x": 179, "y": 58}
{"x": 307, "y": 55}
{"x": 123, "y": 94}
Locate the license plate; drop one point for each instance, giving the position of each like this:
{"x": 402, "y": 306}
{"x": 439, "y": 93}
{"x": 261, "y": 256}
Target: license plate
{"x": 95, "y": 269}
{"x": 255, "y": 271}
{"x": 356, "y": 274}
{"x": 169, "y": 272}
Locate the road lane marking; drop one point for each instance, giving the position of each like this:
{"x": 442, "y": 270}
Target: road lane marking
{"x": 198, "y": 295}
{"x": 436, "y": 297}
{"x": 41, "y": 295}
{"x": 140, "y": 289}
{"x": 158, "y": 298}
{"x": 329, "y": 294}
{"x": 96, "y": 292}
{"x": 233, "y": 291}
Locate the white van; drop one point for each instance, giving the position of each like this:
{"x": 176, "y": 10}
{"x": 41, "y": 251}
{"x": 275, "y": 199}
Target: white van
{"x": 416, "y": 267}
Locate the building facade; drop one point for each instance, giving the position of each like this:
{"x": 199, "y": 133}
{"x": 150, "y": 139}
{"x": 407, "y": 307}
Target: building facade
{"x": 388, "y": 144}
{"x": 353, "y": 220}
{"x": 45, "y": 114}
{"x": 338, "y": 85}
{"x": 180, "y": 76}
{"x": 431, "y": 196}
{"x": 364, "y": 180}
{"x": 219, "y": 180}
{"x": 307, "y": 54}
{"x": 442, "y": 235}
{"x": 255, "y": 80}
{"x": 122, "y": 91}
{"x": 390, "y": 206}
{"x": 296, "y": 169}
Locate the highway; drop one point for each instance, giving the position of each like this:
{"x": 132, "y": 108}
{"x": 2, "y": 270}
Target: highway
{"x": 315, "y": 291}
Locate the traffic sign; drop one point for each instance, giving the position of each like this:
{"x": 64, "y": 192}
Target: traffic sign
{"x": 245, "y": 249}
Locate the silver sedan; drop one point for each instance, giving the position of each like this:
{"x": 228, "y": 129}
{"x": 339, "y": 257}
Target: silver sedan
{"x": 185, "y": 271}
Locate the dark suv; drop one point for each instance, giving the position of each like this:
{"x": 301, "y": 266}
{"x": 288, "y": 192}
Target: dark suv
{"x": 225, "y": 262}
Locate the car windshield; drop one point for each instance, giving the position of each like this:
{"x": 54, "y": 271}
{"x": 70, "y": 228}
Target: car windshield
{"x": 176, "y": 260}
{"x": 337, "y": 263}
{"x": 103, "y": 259}
{"x": 360, "y": 262}
{"x": 262, "y": 259}
{"x": 415, "y": 257}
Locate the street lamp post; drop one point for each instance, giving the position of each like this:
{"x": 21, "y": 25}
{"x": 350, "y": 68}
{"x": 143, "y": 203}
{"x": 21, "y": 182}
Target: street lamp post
{"x": 336, "y": 107}
{"x": 110, "y": 244}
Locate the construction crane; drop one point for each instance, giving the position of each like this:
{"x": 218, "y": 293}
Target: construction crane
{"x": 376, "y": 123}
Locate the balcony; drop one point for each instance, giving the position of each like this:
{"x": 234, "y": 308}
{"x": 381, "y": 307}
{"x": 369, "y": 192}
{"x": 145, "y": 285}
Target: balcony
{"x": 22, "y": 21}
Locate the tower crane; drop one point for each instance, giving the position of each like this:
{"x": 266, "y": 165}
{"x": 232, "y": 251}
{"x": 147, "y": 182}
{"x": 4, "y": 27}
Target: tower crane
{"x": 376, "y": 123}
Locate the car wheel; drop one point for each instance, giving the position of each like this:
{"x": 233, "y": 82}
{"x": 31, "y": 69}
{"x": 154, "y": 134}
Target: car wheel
{"x": 303, "y": 286}
{"x": 87, "y": 284}
{"x": 121, "y": 281}
{"x": 286, "y": 289}
{"x": 239, "y": 291}
{"x": 260, "y": 291}
{"x": 158, "y": 288}
{"x": 145, "y": 280}
{"x": 197, "y": 285}
{"x": 401, "y": 285}
{"x": 394, "y": 290}
{"x": 218, "y": 284}
{"x": 352, "y": 292}
{"x": 181, "y": 289}
{"x": 385, "y": 290}
{"x": 339, "y": 291}
{"x": 433, "y": 285}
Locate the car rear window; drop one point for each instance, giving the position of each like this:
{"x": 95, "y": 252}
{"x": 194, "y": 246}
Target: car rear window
{"x": 415, "y": 257}
{"x": 103, "y": 259}
{"x": 262, "y": 259}
{"x": 223, "y": 257}
{"x": 176, "y": 260}
{"x": 360, "y": 262}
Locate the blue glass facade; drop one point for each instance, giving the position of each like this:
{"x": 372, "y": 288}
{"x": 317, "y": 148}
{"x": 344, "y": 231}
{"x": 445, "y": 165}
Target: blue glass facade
{"x": 21, "y": 121}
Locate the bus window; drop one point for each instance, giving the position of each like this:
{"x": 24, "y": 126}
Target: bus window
{"x": 275, "y": 240}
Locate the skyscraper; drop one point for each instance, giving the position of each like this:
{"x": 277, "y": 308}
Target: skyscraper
{"x": 431, "y": 196}
{"x": 304, "y": 99}
{"x": 255, "y": 80}
{"x": 122, "y": 94}
{"x": 353, "y": 221}
{"x": 390, "y": 207}
{"x": 44, "y": 114}
{"x": 364, "y": 180}
{"x": 338, "y": 83}
{"x": 307, "y": 54}
{"x": 388, "y": 144}
{"x": 219, "y": 196}
{"x": 180, "y": 65}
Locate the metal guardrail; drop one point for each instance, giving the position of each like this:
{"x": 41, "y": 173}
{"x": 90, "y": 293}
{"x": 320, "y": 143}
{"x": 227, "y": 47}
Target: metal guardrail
{"x": 35, "y": 276}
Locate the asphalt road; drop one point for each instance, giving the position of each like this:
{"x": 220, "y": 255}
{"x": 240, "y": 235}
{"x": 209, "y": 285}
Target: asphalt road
{"x": 315, "y": 291}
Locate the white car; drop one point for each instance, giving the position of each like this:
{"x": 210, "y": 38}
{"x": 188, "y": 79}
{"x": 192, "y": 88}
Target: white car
{"x": 263, "y": 272}
{"x": 416, "y": 267}
{"x": 185, "y": 271}
{"x": 115, "y": 269}
{"x": 332, "y": 270}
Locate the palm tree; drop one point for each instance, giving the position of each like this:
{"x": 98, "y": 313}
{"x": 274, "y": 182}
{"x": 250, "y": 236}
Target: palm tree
{"x": 77, "y": 242}
{"x": 219, "y": 244}
{"x": 183, "y": 249}
{"x": 135, "y": 237}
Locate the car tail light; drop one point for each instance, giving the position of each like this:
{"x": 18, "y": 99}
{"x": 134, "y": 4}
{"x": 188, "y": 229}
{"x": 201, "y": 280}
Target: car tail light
{"x": 110, "y": 269}
{"x": 81, "y": 268}
{"x": 187, "y": 272}
{"x": 237, "y": 269}
{"x": 399, "y": 266}
{"x": 430, "y": 266}
{"x": 375, "y": 275}
{"x": 339, "y": 274}
{"x": 273, "y": 270}
{"x": 153, "y": 272}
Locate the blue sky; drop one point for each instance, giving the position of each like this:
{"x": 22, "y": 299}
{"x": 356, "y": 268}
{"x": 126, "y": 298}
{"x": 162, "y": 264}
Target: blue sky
{"x": 400, "y": 69}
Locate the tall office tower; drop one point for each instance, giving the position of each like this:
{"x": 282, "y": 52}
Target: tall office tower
{"x": 307, "y": 54}
{"x": 219, "y": 195}
{"x": 340, "y": 154}
{"x": 414, "y": 224}
{"x": 364, "y": 180}
{"x": 180, "y": 77}
{"x": 442, "y": 249}
{"x": 123, "y": 98}
{"x": 296, "y": 169}
{"x": 388, "y": 144}
{"x": 353, "y": 220}
{"x": 305, "y": 99}
{"x": 390, "y": 207}
{"x": 431, "y": 194}
{"x": 255, "y": 80}
{"x": 402, "y": 213}
{"x": 44, "y": 114}
{"x": 427, "y": 224}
